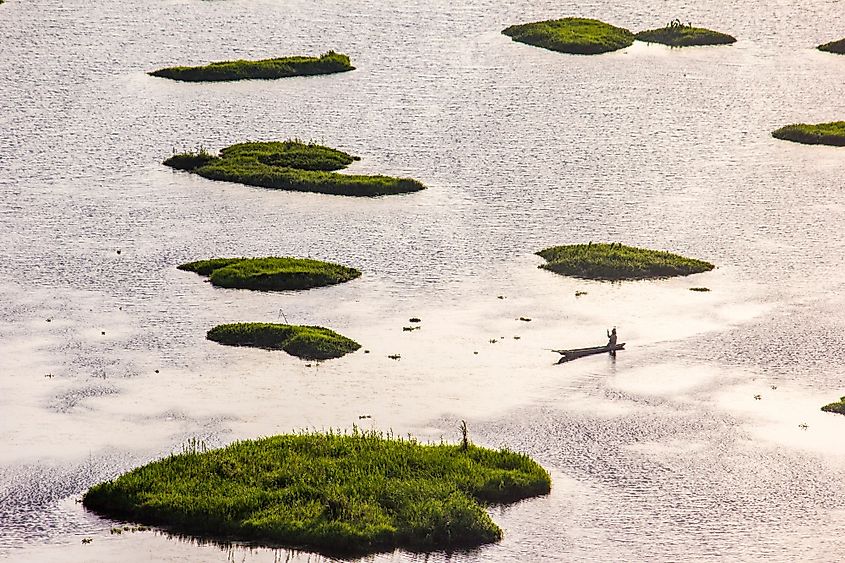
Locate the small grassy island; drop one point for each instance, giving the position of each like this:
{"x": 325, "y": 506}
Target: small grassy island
{"x": 837, "y": 47}
{"x": 337, "y": 494}
{"x": 306, "y": 342}
{"x": 328, "y": 63}
{"x": 289, "y": 165}
{"x": 837, "y": 407}
{"x": 272, "y": 273}
{"x": 612, "y": 262}
{"x": 819, "y": 134}
{"x": 676, "y": 34}
{"x": 578, "y": 36}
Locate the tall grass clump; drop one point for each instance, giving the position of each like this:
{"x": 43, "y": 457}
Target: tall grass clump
{"x": 615, "y": 261}
{"x": 291, "y": 165}
{"x": 677, "y": 34}
{"x": 813, "y": 134}
{"x": 837, "y": 47}
{"x": 306, "y": 342}
{"x": 271, "y": 273}
{"x": 579, "y": 36}
{"x": 345, "y": 494}
{"x": 284, "y": 67}
{"x": 837, "y": 407}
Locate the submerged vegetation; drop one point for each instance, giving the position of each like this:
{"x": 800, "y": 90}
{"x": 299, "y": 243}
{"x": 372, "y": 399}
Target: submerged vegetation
{"x": 289, "y": 165}
{"x": 272, "y": 273}
{"x": 327, "y": 63}
{"x": 837, "y": 407}
{"x": 306, "y": 342}
{"x": 837, "y": 47}
{"x": 818, "y": 134}
{"x": 578, "y": 36}
{"x": 677, "y": 34}
{"x": 618, "y": 262}
{"x": 341, "y": 494}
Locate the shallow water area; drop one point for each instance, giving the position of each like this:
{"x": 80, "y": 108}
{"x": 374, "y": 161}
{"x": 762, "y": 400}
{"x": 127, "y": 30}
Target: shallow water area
{"x": 662, "y": 453}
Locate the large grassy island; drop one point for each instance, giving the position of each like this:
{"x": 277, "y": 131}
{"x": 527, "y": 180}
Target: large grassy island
{"x": 818, "y": 134}
{"x": 579, "y": 36}
{"x": 272, "y": 273}
{"x": 676, "y": 34}
{"x": 615, "y": 261}
{"x": 837, "y": 47}
{"x": 289, "y": 165}
{"x": 306, "y": 342}
{"x": 837, "y": 407}
{"x": 339, "y": 494}
{"x": 328, "y": 63}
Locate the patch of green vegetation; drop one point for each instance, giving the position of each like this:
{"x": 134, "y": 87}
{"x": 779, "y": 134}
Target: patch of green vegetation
{"x": 837, "y": 47}
{"x": 813, "y": 134}
{"x": 339, "y": 494}
{"x": 676, "y": 34}
{"x": 579, "y": 36}
{"x": 272, "y": 273}
{"x": 618, "y": 262}
{"x": 837, "y": 407}
{"x": 284, "y": 67}
{"x": 306, "y": 342}
{"x": 290, "y": 165}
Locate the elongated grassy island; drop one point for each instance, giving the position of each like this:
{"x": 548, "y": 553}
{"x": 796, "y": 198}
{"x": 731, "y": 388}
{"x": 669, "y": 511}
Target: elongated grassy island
{"x": 289, "y": 165}
{"x": 618, "y": 262}
{"x": 837, "y": 407}
{"x": 819, "y": 134}
{"x": 837, "y": 47}
{"x": 284, "y": 67}
{"x": 676, "y": 34}
{"x": 338, "y": 494}
{"x": 306, "y": 342}
{"x": 272, "y": 273}
{"x": 578, "y": 36}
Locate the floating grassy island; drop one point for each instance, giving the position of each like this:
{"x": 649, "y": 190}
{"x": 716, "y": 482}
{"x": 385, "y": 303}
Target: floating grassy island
{"x": 617, "y": 262}
{"x": 339, "y": 494}
{"x": 289, "y": 165}
{"x": 837, "y": 407}
{"x": 837, "y": 47}
{"x": 819, "y": 134}
{"x": 271, "y": 274}
{"x": 676, "y": 34}
{"x": 328, "y": 63}
{"x": 306, "y": 342}
{"x": 577, "y": 36}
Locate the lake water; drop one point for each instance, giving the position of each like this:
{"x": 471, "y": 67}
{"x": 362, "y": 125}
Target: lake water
{"x": 662, "y": 454}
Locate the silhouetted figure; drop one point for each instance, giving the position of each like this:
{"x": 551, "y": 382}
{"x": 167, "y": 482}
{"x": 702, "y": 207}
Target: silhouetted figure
{"x": 611, "y": 342}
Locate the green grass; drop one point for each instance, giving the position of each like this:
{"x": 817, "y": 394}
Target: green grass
{"x": 339, "y": 494}
{"x": 272, "y": 273}
{"x": 837, "y": 407}
{"x": 306, "y": 342}
{"x": 618, "y": 262}
{"x": 837, "y": 47}
{"x": 284, "y": 67}
{"x": 578, "y": 36}
{"x": 289, "y": 165}
{"x": 677, "y": 34}
{"x": 813, "y": 134}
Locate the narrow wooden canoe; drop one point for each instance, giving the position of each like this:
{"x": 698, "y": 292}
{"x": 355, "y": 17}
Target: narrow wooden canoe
{"x": 569, "y": 355}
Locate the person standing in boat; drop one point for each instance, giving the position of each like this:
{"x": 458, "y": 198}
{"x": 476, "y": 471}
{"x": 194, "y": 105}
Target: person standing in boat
{"x": 611, "y": 341}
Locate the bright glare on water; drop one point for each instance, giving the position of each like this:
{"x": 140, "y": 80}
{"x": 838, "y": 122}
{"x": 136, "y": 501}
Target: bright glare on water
{"x": 663, "y": 454}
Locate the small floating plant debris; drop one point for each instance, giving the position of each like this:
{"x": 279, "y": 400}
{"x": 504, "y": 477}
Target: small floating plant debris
{"x": 414, "y": 320}
{"x": 525, "y": 319}
{"x": 500, "y": 297}
{"x": 803, "y": 426}
{"x": 410, "y": 328}
{"x": 395, "y": 356}
{"x": 363, "y": 416}
{"x": 758, "y": 397}
{"x": 700, "y": 289}
{"x": 493, "y": 341}
{"x": 580, "y": 293}
{"x": 366, "y": 351}
{"x": 517, "y": 337}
